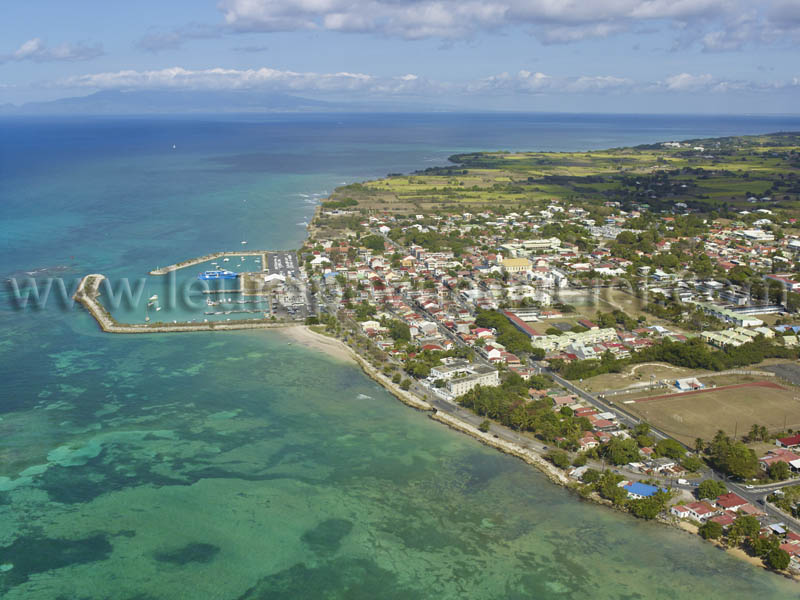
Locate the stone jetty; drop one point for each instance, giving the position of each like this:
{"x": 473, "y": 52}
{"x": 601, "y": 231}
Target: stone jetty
{"x": 89, "y": 290}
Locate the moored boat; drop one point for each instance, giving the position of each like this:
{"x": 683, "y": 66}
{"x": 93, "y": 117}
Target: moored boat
{"x": 217, "y": 274}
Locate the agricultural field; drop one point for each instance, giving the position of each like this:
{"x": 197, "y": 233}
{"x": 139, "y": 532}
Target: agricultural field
{"x": 734, "y": 408}
{"x": 724, "y": 174}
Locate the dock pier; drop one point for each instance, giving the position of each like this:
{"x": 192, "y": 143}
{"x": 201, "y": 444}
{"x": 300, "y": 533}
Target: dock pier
{"x": 201, "y": 259}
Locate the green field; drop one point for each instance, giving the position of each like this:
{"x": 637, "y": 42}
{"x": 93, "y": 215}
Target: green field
{"x": 723, "y": 176}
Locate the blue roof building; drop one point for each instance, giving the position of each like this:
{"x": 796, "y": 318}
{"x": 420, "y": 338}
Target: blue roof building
{"x": 638, "y": 490}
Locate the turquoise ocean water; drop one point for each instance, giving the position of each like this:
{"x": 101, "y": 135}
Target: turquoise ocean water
{"x": 234, "y": 465}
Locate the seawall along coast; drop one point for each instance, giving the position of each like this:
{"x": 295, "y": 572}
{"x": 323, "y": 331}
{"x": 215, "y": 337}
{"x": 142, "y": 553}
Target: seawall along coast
{"x": 201, "y": 259}
{"x": 553, "y": 473}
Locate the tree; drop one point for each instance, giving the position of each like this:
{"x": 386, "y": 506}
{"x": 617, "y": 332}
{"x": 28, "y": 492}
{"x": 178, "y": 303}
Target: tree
{"x": 711, "y": 489}
{"x": 710, "y": 530}
{"x": 365, "y": 310}
{"x": 733, "y": 458}
{"x": 373, "y": 242}
{"x": 485, "y": 424}
{"x": 779, "y": 471}
{"x": 778, "y": 559}
{"x": 740, "y": 461}
{"x": 764, "y": 545}
{"x": 399, "y": 331}
{"x": 609, "y": 489}
{"x": 417, "y": 369}
{"x": 537, "y": 353}
{"x": 591, "y": 476}
{"x": 671, "y": 448}
{"x": 580, "y": 460}
{"x": 692, "y": 464}
{"x": 559, "y": 458}
{"x": 645, "y": 508}
{"x": 745, "y": 526}
{"x": 620, "y": 452}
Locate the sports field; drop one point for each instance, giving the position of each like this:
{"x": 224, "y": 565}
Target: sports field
{"x": 733, "y": 408}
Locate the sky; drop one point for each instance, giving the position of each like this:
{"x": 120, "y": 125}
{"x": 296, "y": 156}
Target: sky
{"x": 646, "y": 56}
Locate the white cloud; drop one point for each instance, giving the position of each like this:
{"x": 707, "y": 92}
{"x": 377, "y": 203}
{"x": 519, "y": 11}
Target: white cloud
{"x": 707, "y": 83}
{"x": 712, "y": 25}
{"x": 37, "y": 50}
{"x": 526, "y": 82}
{"x": 553, "y": 21}
{"x": 684, "y": 82}
{"x": 600, "y": 83}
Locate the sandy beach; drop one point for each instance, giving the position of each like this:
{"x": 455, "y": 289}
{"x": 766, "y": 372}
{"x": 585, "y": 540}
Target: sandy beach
{"x": 737, "y": 552}
{"x": 302, "y": 335}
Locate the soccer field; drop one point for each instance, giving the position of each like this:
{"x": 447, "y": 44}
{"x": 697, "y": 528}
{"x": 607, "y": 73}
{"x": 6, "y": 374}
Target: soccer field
{"x": 734, "y": 409}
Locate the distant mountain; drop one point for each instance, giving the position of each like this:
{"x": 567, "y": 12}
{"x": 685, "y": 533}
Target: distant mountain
{"x": 174, "y": 102}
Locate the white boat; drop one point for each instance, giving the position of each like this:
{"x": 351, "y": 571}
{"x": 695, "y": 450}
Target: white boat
{"x": 226, "y": 259}
{"x": 158, "y": 308}
{"x": 244, "y": 243}
{"x": 153, "y": 298}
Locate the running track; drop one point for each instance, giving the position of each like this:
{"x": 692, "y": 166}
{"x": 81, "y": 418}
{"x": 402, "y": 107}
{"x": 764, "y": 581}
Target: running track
{"x": 764, "y": 384}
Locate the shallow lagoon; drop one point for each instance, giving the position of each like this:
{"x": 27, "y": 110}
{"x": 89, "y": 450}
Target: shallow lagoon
{"x": 244, "y": 467}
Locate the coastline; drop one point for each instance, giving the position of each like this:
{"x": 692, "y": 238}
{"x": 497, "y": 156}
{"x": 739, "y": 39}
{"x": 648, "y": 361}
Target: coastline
{"x": 302, "y": 335}
{"x": 341, "y": 351}
{"x": 337, "y": 349}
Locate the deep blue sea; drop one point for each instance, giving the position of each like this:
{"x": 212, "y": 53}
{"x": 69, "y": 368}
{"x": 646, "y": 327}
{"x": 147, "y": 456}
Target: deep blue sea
{"x": 235, "y": 465}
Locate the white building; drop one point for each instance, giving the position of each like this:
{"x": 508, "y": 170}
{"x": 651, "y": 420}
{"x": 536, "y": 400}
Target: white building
{"x": 474, "y": 376}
